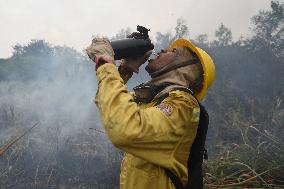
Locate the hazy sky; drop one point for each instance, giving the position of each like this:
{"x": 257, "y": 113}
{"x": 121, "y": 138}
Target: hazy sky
{"x": 73, "y": 22}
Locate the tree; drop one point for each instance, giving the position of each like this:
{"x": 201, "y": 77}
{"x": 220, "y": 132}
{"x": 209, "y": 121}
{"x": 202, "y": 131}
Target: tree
{"x": 269, "y": 29}
{"x": 37, "y": 47}
{"x": 122, "y": 34}
{"x": 223, "y": 35}
{"x": 164, "y": 40}
{"x": 181, "y": 29}
{"x": 18, "y": 50}
{"x": 202, "y": 39}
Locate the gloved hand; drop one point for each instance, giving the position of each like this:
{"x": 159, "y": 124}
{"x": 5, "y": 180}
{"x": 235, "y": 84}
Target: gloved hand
{"x": 100, "y": 51}
{"x": 133, "y": 64}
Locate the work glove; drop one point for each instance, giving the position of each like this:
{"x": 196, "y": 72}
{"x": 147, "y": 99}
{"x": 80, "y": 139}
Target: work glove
{"x": 100, "y": 51}
{"x": 133, "y": 64}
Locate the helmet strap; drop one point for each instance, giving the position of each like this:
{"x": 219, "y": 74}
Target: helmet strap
{"x": 173, "y": 67}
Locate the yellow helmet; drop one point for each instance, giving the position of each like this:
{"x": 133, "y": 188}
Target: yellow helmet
{"x": 206, "y": 62}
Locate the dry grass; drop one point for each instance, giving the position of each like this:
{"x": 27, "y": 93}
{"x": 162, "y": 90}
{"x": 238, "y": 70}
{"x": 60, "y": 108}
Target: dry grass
{"x": 257, "y": 163}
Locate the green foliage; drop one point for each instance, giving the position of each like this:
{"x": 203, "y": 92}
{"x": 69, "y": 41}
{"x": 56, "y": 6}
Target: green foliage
{"x": 34, "y": 48}
{"x": 122, "y": 34}
{"x": 181, "y": 31}
{"x": 202, "y": 39}
{"x": 269, "y": 29}
{"x": 163, "y": 40}
{"x": 38, "y": 59}
{"x": 223, "y": 35}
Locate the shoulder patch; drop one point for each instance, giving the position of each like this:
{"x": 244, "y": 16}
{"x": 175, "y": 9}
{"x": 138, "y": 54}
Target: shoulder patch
{"x": 195, "y": 114}
{"x": 165, "y": 108}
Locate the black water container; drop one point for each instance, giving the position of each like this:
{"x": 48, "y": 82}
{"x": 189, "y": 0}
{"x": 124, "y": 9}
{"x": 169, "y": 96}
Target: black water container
{"x": 135, "y": 45}
{"x": 131, "y": 48}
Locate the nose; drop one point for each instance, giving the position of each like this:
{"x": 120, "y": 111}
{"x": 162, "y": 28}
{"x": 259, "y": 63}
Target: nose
{"x": 163, "y": 51}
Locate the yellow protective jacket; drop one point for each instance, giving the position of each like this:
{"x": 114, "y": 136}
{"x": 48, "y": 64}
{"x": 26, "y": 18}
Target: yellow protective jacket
{"x": 154, "y": 137}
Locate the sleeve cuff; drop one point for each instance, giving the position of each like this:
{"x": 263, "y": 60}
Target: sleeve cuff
{"x": 107, "y": 69}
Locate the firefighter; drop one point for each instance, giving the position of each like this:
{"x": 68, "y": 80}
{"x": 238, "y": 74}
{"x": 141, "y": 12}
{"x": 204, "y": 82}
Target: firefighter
{"x": 156, "y": 126}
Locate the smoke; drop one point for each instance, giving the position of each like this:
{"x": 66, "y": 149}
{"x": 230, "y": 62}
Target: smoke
{"x": 64, "y": 99}
{"x": 57, "y": 90}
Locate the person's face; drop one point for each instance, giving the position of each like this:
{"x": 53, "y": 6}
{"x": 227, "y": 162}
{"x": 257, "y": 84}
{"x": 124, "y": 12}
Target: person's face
{"x": 162, "y": 59}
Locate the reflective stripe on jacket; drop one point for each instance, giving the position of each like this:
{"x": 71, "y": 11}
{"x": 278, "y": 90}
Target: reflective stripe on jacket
{"x": 154, "y": 137}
